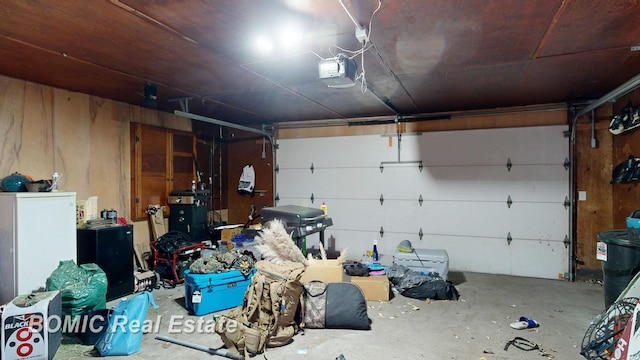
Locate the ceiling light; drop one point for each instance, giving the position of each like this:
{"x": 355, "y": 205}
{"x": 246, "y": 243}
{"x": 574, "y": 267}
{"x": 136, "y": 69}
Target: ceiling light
{"x": 263, "y": 44}
{"x": 290, "y": 38}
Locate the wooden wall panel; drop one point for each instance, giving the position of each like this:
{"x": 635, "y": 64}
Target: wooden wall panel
{"x": 457, "y": 122}
{"x": 593, "y": 173}
{"x": 83, "y": 137}
{"x": 37, "y": 154}
{"x": 626, "y": 197}
{"x": 245, "y": 148}
{"x": 26, "y": 144}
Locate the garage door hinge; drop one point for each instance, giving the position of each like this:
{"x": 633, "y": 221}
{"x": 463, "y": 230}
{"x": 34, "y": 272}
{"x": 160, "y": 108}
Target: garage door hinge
{"x": 509, "y": 201}
{"x": 312, "y": 198}
{"x": 509, "y": 164}
{"x": 566, "y": 203}
{"x": 566, "y": 242}
{"x": 567, "y": 164}
{"x": 420, "y": 234}
{"x": 509, "y": 238}
{"x": 312, "y": 168}
{"x": 277, "y": 169}
{"x": 381, "y": 231}
{"x": 420, "y": 200}
{"x": 381, "y": 199}
{"x": 277, "y": 198}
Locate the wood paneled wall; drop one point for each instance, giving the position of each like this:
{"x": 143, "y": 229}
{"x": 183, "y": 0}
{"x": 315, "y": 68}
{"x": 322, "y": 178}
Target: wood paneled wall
{"x": 83, "y": 137}
{"x": 607, "y": 205}
{"x": 246, "y": 149}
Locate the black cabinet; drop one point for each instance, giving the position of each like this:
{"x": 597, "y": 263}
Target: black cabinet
{"x": 189, "y": 213}
{"x": 111, "y": 248}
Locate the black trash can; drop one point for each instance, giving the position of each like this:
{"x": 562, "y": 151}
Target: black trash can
{"x": 622, "y": 264}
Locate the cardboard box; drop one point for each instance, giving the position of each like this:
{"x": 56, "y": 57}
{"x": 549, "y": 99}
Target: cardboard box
{"x": 228, "y": 231}
{"x": 328, "y": 271}
{"x": 375, "y": 288}
{"x": 86, "y": 210}
{"x": 27, "y": 324}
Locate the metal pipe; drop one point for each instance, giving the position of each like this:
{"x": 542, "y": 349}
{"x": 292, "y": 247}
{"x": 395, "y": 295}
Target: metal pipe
{"x": 613, "y": 95}
{"x": 211, "y": 351}
{"x": 593, "y": 129}
{"x": 222, "y": 123}
{"x": 344, "y": 5}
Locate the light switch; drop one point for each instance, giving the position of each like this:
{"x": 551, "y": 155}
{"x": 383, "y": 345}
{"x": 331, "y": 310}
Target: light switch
{"x": 582, "y": 196}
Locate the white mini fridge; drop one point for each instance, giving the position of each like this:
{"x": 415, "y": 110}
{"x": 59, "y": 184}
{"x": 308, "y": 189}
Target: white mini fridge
{"x": 37, "y": 231}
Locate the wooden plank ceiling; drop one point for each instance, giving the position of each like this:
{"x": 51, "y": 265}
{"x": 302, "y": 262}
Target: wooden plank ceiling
{"x": 423, "y": 56}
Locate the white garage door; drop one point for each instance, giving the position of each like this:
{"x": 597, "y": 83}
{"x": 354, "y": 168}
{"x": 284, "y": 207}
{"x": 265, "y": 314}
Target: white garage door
{"x": 489, "y": 216}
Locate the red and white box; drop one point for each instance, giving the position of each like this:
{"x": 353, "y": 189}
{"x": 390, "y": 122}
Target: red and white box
{"x": 31, "y": 326}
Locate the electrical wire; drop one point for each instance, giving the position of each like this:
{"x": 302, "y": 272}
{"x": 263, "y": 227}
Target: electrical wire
{"x": 371, "y": 18}
{"x": 366, "y": 45}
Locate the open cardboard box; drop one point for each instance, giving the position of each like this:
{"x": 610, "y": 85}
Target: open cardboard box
{"x": 227, "y": 232}
{"x": 328, "y": 271}
{"x": 375, "y": 288}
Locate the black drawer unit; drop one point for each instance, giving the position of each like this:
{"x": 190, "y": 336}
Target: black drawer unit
{"x": 188, "y": 213}
{"x": 111, "y": 248}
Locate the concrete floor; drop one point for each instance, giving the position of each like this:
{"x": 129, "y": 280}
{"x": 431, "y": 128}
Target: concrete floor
{"x": 475, "y": 327}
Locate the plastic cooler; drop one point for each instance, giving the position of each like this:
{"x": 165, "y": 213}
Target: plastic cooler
{"x": 424, "y": 261}
{"x": 207, "y": 293}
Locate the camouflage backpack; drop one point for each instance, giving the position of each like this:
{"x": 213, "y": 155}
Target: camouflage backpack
{"x": 267, "y": 316}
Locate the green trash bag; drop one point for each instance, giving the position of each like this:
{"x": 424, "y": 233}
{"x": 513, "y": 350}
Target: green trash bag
{"x": 82, "y": 288}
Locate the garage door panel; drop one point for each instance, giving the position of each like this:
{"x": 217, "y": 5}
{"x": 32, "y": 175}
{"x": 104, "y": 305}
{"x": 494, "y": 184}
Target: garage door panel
{"x": 465, "y": 200}
{"x": 541, "y": 183}
{"x": 495, "y": 146}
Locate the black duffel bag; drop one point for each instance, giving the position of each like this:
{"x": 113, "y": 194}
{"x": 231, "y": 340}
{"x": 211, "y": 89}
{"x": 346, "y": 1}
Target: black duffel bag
{"x": 434, "y": 290}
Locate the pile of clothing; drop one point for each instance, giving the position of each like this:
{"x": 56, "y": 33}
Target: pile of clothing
{"x": 235, "y": 259}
